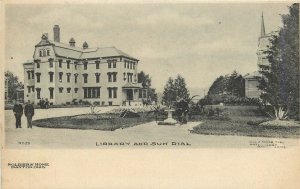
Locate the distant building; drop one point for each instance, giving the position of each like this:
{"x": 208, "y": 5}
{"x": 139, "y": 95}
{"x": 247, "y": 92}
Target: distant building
{"x": 263, "y": 64}
{"x": 18, "y": 93}
{"x": 63, "y": 72}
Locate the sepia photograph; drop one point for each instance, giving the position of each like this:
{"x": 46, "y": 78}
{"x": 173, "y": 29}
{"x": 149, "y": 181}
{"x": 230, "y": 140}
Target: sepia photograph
{"x": 152, "y": 76}
{"x": 149, "y": 94}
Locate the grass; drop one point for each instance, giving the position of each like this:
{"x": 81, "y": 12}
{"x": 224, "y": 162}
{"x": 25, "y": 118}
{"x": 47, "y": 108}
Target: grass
{"x": 107, "y": 122}
{"x": 244, "y": 121}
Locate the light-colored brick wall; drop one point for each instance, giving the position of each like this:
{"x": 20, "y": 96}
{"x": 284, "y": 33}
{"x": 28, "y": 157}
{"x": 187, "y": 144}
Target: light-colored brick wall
{"x": 64, "y": 97}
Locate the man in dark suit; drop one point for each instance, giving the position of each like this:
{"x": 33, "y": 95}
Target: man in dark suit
{"x": 29, "y": 113}
{"x": 18, "y": 111}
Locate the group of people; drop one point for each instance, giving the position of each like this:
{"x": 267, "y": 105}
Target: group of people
{"x": 44, "y": 104}
{"x": 28, "y": 111}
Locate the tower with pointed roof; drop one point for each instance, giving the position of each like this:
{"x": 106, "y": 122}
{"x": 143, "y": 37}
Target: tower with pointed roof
{"x": 263, "y": 64}
{"x": 262, "y": 30}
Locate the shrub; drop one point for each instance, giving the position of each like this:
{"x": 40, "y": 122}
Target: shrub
{"x": 74, "y": 101}
{"x": 96, "y": 103}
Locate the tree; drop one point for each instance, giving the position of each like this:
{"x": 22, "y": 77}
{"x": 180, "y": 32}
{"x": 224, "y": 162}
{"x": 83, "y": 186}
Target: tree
{"x": 236, "y": 84}
{"x": 175, "y": 89}
{"x": 233, "y": 84}
{"x": 280, "y": 85}
{"x": 145, "y": 79}
{"x": 13, "y": 85}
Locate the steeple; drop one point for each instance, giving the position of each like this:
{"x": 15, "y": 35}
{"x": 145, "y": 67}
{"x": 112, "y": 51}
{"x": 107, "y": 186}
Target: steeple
{"x": 262, "y": 31}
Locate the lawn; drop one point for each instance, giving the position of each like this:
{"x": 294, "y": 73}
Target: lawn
{"x": 107, "y": 122}
{"x": 243, "y": 121}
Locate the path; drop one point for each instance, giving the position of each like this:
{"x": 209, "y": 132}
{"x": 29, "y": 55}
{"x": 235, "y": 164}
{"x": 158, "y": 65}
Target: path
{"x": 144, "y": 134}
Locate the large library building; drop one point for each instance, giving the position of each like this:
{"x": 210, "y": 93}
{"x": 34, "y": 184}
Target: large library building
{"x": 63, "y": 72}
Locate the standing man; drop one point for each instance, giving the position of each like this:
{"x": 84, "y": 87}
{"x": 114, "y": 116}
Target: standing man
{"x": 18, "y": 111}
{"x": 29, "y": 113}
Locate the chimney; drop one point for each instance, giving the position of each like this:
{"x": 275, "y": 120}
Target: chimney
{"x": 72, "y": 42}
{"x": 56, "y": 33}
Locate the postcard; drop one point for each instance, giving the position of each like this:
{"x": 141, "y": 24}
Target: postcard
{"x": 150, "y": 95}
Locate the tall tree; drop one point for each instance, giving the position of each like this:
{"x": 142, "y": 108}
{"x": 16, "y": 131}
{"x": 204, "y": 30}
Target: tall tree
{"x": 13, "y": 85}
{"x": 145, "y": 79}
{"x": 280, "y": 85}
{"x": 175, "y": 89}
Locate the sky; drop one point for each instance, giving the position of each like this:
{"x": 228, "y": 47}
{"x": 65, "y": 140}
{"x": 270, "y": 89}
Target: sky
{"x": 198, "y": 41}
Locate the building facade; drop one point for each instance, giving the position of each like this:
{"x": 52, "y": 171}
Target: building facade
{"x": 263, "y": 64}
{"x": 62, "y": 72}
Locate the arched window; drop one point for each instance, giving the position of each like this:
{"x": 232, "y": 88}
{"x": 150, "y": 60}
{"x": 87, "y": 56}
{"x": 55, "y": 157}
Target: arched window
{"x": 44, "y": 52}
{"x": 41, "y": 53}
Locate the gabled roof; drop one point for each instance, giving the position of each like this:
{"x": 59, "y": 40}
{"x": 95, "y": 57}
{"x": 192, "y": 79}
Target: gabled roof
{"x": 65, "y": 50}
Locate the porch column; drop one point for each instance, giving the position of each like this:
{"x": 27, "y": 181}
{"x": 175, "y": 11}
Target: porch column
{"x": 133, "y": 94}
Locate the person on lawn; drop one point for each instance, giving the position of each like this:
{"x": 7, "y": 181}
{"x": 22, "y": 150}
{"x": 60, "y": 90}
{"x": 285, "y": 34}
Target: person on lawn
{"x": 29, "y": 113}
{"x": 18, "y": 112}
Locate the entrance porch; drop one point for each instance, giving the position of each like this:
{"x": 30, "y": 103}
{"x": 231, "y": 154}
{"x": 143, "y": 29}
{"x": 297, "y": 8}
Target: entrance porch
{"x": 132, "y": 95}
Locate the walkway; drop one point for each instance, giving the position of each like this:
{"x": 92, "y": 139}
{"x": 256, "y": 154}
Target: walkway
{"x": 148, "y": 135}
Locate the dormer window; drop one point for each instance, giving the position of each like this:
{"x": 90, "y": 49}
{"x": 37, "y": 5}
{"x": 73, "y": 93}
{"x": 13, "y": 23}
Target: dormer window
{"x": 44, "y": 52}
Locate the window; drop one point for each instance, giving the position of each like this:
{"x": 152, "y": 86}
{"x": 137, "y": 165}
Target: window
{"x": 112, "y": 76}
{"x": 114, "y": 64}
{"x": 37, "y": 65}
{"x": 38, "y": 77}
{"x": 129, "y": 77}
{"x": 68, "y": 77}
{"x": 130, "y": 65}
{"x": 134, "y": 65}
{"x": 91, "y": 92}
{"x": 41, "y": 53}
{"x": 68, "y": 89}
{"x": 97, "y": 64}
{"x": 124, "y": 76}
{"x": 140, "y": 93}
{"x": 29, "y": 89}
{"x": 75, "y": 90}
{"x": 112, "y": 92}
{"x": 85, "y": 78}
{"x": 68, "y": 64}
{"x": 97, "y": 77}
{"x": 60, "y": 74}
{"x": 48, "y": 52}
{"x": 32, "y": 74}
{"x": 75, "y": 65}
{"x": 85, "y": 65}
{"x": 125, "y": 64}
{"x": 50, "y": 62}
{"x": 32, "y": 88}
{"x": 60, "y": 89}
{"x": 109, "y": 63}
{"x": 44, "y": 52}
{"x": 109, "y": 77}
{"x": 51, "y": 89}
{"x": 60, "y": 63}
{"x": 75, "y": 78}
{"x": 51, "y": 76}
{"x": 29, "y": 74}
{"x": 38, "y": 93}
